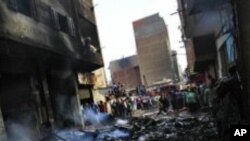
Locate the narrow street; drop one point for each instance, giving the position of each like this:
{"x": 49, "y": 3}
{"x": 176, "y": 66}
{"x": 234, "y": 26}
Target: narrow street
{"x": 124, "y": 70}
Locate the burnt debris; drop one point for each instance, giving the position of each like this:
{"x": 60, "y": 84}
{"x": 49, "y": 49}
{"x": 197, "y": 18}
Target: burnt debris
{"x": 182, "y": 127}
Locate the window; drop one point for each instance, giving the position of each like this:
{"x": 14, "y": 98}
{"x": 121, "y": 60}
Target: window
{"x": 63, "y": 23}
{"x": 22, "y": 6}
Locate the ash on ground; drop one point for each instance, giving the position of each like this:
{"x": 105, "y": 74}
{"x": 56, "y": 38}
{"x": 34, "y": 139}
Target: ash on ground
{"x": 182, "y": 127}
{"x": 171, "y": 127}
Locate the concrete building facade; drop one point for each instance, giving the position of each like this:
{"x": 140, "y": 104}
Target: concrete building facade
{"x": 126, "y": 71}
{"x": 241, "y": 13}
{"x": 211, "y": 50}
{"x": 153, "y": 49}
{"x": 99, "y": 78}
{"x": 230, "y": 29}
{"x": 44, "y": 45}
{"x": 176, "y": 68}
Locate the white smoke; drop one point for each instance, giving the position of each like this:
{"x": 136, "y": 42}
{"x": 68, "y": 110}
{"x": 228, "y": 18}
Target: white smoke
{"x": 94, "y": 117}
{"x": 114, "y": 134}
{"x": 19, "y": 132}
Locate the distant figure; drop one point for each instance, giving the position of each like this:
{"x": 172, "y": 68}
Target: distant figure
{"x": 201, "y": 92}
{"x": 114, "y": 89}
{"x": 191, "y": 100}
{"x": 101, "y": 106}
{"x": 95, "y": 107}
{"x": 178, "y": 99}
{"x": 164, "y": 104}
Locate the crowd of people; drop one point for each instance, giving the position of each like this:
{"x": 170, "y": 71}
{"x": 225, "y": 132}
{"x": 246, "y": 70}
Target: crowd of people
{"x": 121, "y": 104}
{"x": 193, "y": 97}
{"x": 210, "y": 94}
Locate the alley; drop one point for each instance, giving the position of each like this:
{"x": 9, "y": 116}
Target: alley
{"x": 124, "y": 70}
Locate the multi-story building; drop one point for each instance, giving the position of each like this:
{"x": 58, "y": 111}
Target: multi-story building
{"x": 44, "y": 45}
{"x": 241, "y": 14}
{"x": 228, "y": 24}
{"x": 153, "y": 49}
{"x": 208, "y": 34}
{"x": 176, "y": 68}
{"x": 126, "y": 71}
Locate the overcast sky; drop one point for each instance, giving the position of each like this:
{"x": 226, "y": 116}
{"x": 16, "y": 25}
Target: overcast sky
{"x": 114, "y": 21}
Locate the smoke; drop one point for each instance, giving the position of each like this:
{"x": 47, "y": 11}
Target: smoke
{"x": 73, "y": 135}
{"x": 142, "y": 138}
{"x": 23, "y": 127}
{"x": 68, "y": 111}
{"x": 114, "y": 134}
{"x": 19, "y": 132}
{"x": 94, "y": 117}
{"x": 121, "y": 122}
{"x": 2, "y": 136}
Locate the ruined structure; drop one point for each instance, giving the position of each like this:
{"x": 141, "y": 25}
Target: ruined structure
{"x": 43, "y": 46}
{"x": 126, "y": 71}
{"x": 219, "y": 32}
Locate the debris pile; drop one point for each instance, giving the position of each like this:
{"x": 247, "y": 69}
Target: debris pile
{"x": 182, "y": 127}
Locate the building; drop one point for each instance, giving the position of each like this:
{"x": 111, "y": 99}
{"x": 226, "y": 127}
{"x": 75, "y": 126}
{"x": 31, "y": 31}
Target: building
{"x": 44, "y": 45}
{"x": 153, "y": 49}
{"x": 176, "y": 68}
{"x": 241, "y": 14}
{"x": 126, "y": 71}
{"x": 211, "y": 50}
{"x": 227, "y": 28}
{"x": 100, "y": 83}
{"x": 99, "y": 78}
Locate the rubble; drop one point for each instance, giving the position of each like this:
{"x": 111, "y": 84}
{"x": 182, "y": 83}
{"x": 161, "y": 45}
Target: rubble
{"x": 182, "y": 127}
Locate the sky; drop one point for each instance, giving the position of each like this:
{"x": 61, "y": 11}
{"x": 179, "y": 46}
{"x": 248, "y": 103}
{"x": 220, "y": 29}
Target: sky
{"x": 114, "y": 22}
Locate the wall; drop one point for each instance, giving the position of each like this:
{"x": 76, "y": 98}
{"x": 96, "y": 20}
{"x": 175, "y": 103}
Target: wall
{"x": 49, "y": 36}
{"x": 126, "y": 71}
{"x": 23, "y": 28}
{"x": 243, "y": 11}
{"x": 190, "y": 54}
{"x": 2, "y": 128}
{"x": 153, "y": 49}
{"x": 99, "y": 79}
{"x": 129, "y": 78}
{"x": 64, "y": 97}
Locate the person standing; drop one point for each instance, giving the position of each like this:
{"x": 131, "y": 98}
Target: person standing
{"x": 101, "y": 107}
{"x": 200, "y": 93}
{"x": 191, "y": 100}
{"x": 163, "y": 104}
